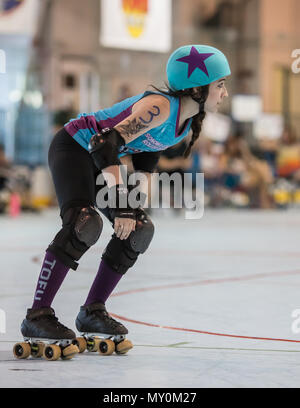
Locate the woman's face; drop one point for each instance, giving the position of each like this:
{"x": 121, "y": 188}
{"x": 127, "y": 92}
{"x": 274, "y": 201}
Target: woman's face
{"x": 217, "y": 92}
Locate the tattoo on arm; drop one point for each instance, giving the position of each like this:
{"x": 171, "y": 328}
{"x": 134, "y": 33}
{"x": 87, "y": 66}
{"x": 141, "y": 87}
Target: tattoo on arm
{"x": 135, "y": 126}
{"x": 131, "y": 128}
{"x": 152, "y": 115}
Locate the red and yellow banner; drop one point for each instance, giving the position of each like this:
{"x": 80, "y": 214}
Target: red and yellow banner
{"x": 136, "y": 24}
{"x": 135, "y": 12}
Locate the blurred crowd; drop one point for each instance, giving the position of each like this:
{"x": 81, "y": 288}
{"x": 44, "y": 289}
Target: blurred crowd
{"x": 15, "y": 187}
{"x": 237, "y": 174}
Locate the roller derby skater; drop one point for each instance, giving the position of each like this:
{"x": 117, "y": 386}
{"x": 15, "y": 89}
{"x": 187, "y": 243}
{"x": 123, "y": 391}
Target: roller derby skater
{"x": 91, "y": 145}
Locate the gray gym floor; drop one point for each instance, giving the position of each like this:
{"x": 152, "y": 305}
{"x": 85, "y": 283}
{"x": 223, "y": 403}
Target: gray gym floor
{"x": 209, "y": 305}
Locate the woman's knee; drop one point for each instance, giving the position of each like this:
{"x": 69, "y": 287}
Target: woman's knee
{"x": 82, "y": 227}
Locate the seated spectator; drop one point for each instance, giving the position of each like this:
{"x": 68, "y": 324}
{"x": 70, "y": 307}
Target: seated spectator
{"x": 209, "y": 163}
{"x": 267, "y": 150}
{"x": 242, "y": 172}
{"x": 15, "y": 181}
{"x": 288, "y": 156}
{"x": 4, "y": 168}
{"x": 5, "y": 174}
{"x": 172, "y": 161}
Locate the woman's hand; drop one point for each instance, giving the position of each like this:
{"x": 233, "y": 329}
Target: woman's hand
{"x": 123, "y": 227}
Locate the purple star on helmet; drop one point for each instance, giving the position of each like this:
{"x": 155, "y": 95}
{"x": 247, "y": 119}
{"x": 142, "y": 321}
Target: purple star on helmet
{"x": 195, "y": 60}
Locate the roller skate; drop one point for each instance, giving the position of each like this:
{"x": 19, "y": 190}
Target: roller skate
{"x": 44, "y": 336}
{"x": 100, "y": 332}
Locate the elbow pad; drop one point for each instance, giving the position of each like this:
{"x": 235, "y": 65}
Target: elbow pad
{"x": 104, "y": 148}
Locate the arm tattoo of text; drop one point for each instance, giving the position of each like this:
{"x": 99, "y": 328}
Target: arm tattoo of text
{"x": 135, "y": 126}
{"x": 152, "y": 115}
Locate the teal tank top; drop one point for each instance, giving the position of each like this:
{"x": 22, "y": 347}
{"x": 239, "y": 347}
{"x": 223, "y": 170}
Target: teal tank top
{"x": 160, "y": 138}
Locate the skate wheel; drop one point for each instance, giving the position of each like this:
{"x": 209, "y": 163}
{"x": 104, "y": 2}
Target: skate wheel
{"x": 37, "y": 350}
{"x": 92, "y": 344}
{"x": 69, "y": 352}
{"x": 80, "y": 342}
{"x": 106, "y": 347}
{"x": 123, "y": 347}
{"x": 52, "y": 352}
{"x": 22, "y": 350}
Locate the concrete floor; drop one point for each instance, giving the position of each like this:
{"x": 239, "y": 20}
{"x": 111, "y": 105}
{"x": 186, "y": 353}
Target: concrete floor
{"x": 209, "y": 305}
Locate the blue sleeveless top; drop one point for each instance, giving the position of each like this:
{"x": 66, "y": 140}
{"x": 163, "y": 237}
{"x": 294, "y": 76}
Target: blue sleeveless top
{"x": 160, "y": 138}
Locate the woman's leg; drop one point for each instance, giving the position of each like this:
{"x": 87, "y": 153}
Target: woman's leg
{"x": 118, "y": 257}
{"x": 73, "y": 174}
{"x": 52, "y": 275}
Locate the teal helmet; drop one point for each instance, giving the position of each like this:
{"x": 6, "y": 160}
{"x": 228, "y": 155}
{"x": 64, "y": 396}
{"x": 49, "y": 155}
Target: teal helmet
{"x": 196, "y": 65}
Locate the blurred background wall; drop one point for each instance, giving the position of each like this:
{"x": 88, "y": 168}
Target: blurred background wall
{"x": 57, "y": 65}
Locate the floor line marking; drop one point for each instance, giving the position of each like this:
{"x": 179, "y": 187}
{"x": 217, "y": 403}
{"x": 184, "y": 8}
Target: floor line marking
{"x": 217, "y": 348}
{"x": 202, "y": 331}
{"x": 209, "y": 282}
{"x": 205, "y": 282}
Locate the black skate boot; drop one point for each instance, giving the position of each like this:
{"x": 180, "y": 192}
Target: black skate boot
{"x": 100, "y": 331}
{"x": 94, "y": 318}
{"x": 41, "y": 326}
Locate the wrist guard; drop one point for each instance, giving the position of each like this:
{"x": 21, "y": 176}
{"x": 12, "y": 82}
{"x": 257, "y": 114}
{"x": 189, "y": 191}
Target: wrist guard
{"x": 118, "y": 203}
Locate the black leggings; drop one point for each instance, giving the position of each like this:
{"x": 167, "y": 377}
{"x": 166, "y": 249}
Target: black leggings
{"x": 74, "y": 174}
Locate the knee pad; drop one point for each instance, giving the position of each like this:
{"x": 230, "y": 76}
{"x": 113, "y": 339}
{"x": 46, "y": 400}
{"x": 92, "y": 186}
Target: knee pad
{"x": 122, "y": 254}
{"x": 119, "y": 255}
{"x": 88, "y": 226}
{"x": 81, "y": 229}
{"x": 141, "y": 238}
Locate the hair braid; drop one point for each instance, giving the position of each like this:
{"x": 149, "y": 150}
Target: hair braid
{"x": 197, "y": 121}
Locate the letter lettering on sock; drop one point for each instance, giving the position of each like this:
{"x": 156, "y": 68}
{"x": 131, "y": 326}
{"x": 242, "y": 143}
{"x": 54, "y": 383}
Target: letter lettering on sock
{"x": 44, "y": 276}
{"x": 52, "y": 264}
{"x": 42, "y": 284}
{"x": 37, "y": 293}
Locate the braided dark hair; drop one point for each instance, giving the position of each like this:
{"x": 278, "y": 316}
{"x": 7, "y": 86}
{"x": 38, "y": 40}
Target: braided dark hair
{"x": 197, "y": 119}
